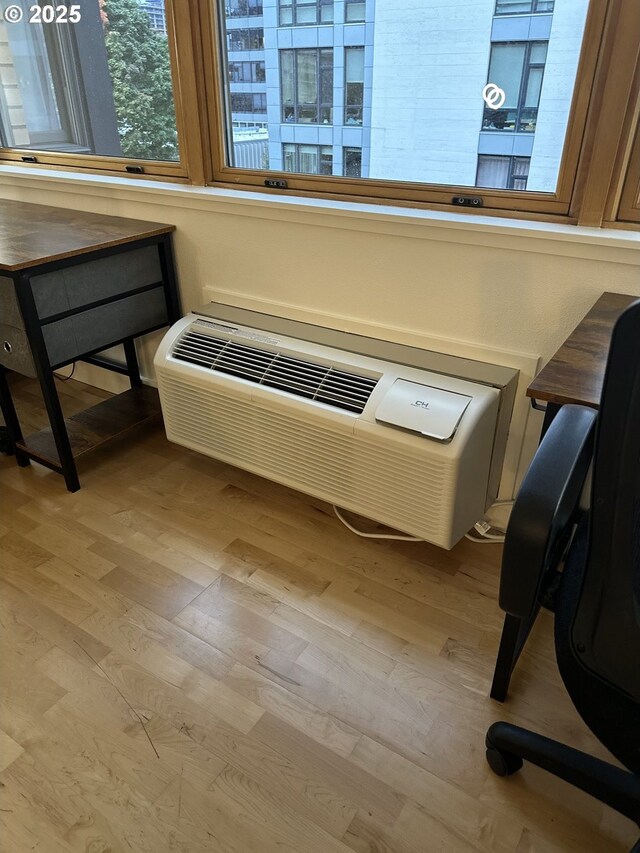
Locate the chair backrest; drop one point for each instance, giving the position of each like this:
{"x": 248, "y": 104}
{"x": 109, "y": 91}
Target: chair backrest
{"x": 605, "y": 635}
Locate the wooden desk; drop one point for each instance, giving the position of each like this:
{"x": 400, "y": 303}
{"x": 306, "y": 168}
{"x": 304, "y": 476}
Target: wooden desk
{"x": 576, "y": 372}
{"x": 73, "y": 284}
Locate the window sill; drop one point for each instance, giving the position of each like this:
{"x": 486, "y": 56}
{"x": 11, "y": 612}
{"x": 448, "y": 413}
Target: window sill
{"x": 444, "y": 226}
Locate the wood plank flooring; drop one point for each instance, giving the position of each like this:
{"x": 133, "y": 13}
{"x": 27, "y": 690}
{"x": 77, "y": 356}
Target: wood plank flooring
{"x": 195, "y": 659}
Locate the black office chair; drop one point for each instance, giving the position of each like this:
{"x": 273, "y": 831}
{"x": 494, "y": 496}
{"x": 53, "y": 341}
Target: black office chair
{"x": 596, "y": 597}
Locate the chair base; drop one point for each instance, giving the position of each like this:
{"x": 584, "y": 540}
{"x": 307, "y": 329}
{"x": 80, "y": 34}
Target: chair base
{"x": 508, "y": 746}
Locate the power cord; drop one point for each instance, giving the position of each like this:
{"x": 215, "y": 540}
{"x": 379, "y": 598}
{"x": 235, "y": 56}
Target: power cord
{"x": 482, "y": 528}
{"x": 66, "y": 378}
{"x": 375, "y": 535}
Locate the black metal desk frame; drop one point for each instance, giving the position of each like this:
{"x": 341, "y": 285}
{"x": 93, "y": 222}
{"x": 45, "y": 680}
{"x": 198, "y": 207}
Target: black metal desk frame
{"x": 44, "y": 368}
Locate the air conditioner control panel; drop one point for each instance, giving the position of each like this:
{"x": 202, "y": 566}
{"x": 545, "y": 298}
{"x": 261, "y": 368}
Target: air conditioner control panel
{"x": 432, "y": 412}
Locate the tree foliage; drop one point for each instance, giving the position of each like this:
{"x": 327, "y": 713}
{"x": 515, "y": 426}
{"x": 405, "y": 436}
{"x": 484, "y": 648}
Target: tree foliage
{"x": 138, "y": 58}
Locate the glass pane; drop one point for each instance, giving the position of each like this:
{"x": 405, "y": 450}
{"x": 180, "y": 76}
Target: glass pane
{"x": 505, "y": 70}
{"x": 352, "y": 162}
{"x": 354, "y": 12}
{"x": 534, "y": 85}
{"x": 289, "y": 156}
{"x": 100, "y": 86}
{"x": 43, "y": 114}
{"x": 307, "y": 86}
{"x": 493, "y": 171}
{"x": 424, "y": 112}
{"x": 538, "y": 53}
{"x": 511, "y": 7}
{"x": 354, "y": 64}
{"x": 308, "y": 159}
{"x": 286, "y": 85}
{"x": 326, "y": 160}
{"x": 306, "y": 14}
{"x": 326, "y": 14}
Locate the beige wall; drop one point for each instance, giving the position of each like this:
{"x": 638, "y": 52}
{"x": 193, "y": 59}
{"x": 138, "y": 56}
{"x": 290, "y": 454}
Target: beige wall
{"x": 455, "y": 283}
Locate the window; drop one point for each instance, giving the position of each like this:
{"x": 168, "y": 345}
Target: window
{"x": 353, "y": 84}
{"x": 307, "y": 159}
{"x": 300, "y": 12}
{"x": 246, "y": 72}
{"x": 307, "y": 85}
{"x": 354, "y": 11}
{"x": 517, "y": 68}
{"x": 248, "y": 103}
{"x": 252, "y": 39}
{"x": 243, "y": 8}
{"x": 98, "y": 96}
{"x": 501, "y": 172}
{"x": 517, "y": 7}
{"x": 352, "y": 162}
{"x": 81, "y": 88}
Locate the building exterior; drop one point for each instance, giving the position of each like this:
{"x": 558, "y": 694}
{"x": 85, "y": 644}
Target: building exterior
{"x": 393, "y": 90}
{"x": 157, "y": 16}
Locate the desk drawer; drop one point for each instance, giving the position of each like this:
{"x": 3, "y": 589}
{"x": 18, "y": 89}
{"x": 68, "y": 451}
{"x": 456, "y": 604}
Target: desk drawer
{"x": 15, "y": 351}
{"x": 9, "y": 309}
{"x": 83, "y": 284}
{"x": 99, "y": 327}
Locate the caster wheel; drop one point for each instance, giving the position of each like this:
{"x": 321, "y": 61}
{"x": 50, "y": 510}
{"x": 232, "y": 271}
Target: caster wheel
{"x": 503, "y": 763}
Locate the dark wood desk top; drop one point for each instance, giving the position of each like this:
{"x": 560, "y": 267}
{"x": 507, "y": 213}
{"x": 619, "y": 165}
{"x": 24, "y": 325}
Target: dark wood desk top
{"x": 33, "y": 234}
{"x": 576, "y": 371}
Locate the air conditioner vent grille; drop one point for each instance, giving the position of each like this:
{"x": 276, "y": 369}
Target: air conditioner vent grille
{"x": 338, "y": 388}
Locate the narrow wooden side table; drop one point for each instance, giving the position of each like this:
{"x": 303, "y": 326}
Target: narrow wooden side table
{"x": 576, "y": 372}
{"x": 71, "y": 285}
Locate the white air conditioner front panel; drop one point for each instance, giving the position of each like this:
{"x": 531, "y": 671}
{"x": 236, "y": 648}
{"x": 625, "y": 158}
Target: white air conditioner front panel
{"x": 426, "y": 488}
{"x": 367, "y": 476}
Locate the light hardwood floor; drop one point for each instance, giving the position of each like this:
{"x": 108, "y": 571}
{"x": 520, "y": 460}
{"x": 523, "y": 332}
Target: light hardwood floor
{"x": 195, "y": 659}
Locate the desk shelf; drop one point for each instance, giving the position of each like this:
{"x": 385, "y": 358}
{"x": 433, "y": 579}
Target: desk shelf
{"x": 94, "y": 427}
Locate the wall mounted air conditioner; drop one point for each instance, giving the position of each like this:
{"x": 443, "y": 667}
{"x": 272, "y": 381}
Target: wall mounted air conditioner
{"x": 408, "y": 437}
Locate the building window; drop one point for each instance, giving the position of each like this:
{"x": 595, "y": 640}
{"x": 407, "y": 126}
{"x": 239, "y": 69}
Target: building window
{"x": 307, "y": 85}
{"x": 246, "y": 72}
{"x": 252, "y": 39}
{"x": 304, "y": 12}
{"x": 517, "y": 68}
{"x": 354, "y": 11}
{"x": 242, "y": 102}
{"x": 156, "y": 13}
{"x": 307, "y": 159}
{"x": 81, "y": 88}
{"x": 519, "y": 7}
{"x": 507, "y": 173}
{"x": 352, "y": 162}
{"x": 243, "y": 8}
{"x": 353, "y": 84}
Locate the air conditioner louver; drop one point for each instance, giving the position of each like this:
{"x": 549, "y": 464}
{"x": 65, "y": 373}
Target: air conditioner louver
{"x": 314, "y": 381}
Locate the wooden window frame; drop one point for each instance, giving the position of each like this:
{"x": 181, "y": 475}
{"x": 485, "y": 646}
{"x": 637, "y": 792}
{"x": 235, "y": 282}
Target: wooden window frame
{"x": 601, "y": 130}
{"x": 180, "y": 38}
{"x": 609, "y": 28}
